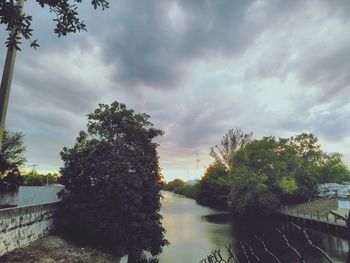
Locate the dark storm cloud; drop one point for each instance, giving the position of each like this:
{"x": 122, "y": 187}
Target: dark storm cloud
{"x": 148, "y": 49}
{"x": 327, "y": 71}
{"x": 58, "y": 88}
{"x": 331, "y": 122}
{"x": 154, "y": 52}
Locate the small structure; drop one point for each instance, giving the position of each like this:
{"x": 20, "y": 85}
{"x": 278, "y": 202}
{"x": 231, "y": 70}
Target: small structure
{"x": 334, "y": 190}
{"x": 344, "y": 204}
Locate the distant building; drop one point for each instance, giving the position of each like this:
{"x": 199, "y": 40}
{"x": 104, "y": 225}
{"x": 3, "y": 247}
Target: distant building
{"x": 334, "y": 190}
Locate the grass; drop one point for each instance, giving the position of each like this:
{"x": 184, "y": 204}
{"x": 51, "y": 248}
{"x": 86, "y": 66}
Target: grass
{"x": 323, "y": 206}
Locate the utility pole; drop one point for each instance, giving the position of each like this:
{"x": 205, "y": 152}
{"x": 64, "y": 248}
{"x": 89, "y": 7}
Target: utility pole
{"x": 33, "y": 165}
{"x": 7, "y": 78}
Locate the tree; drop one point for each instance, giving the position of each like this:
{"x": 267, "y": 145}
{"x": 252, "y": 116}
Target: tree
{"x": 178, "y": 186}
{"x": 11, "y": 158}
{"x": 212, "y": 188}
{"x": 33, "y": 178}
{"x": 251, "y": 195}
{"x": 187, "y": 190}
{"x": 172, "y": 185}
{"x": 332, "y": 169}
{"x": 288, "y": 164}
{"x": 113, "y": 181}
{"x": 231, "y": 142}
{"x": 65, "y": 13}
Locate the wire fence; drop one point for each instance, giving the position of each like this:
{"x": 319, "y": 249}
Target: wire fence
{"x": 256, "y": 250}
{"x": 317, "y": 216}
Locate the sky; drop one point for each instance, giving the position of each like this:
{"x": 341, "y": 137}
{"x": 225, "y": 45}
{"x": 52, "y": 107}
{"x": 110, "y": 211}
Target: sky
{"x": 198, "y": 68}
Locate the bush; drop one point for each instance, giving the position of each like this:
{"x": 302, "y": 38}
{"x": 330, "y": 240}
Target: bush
{"x": 190, "y": 191}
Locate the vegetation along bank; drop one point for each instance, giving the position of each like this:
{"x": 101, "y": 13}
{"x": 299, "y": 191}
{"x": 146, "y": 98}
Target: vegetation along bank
{"x": 257, "y": 176}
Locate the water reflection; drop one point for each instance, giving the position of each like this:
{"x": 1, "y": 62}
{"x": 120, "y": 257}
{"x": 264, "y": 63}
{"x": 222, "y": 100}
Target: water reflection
{"x": 194, "y": 231}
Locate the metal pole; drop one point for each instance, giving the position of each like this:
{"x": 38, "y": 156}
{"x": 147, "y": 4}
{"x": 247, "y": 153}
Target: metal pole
{"x": 7, "y": 80}
{"x": 33, "y": 165}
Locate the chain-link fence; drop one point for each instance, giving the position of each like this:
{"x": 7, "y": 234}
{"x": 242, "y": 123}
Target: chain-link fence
{"x": 257, "y": 250}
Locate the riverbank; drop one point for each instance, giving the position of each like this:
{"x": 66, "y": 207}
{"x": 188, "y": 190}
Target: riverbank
{"x": 318, "y": 206}
{"x": 52, "y": 249}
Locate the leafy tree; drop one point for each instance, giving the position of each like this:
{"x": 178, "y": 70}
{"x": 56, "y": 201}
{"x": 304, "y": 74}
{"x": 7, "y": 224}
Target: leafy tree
{"x": 180, "y": 187}
{"x": 11, "y": 158}
{"x": 288, "y": 184}
{"x": 267, "y": 158}
{"x": 251, "y": 195}
{"x": 187, "y": 190}
{"x": 112, "y": 178}
{"x": 231, "y": 142}
{"x": 332, "y": 169}
{"x": 65, "y": 13}
{"x": 213, "y": 190}
{"x": 174, "y": 184}
{"x": 51, "y": 178}
{"x": 34, "y": 179}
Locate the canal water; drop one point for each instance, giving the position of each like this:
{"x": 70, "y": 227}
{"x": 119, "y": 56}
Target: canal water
{"x": 194, "y": 231}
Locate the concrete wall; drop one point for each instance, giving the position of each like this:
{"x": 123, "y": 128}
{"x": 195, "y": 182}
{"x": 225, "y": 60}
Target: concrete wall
{"x": 30, "y": 195}
{"x": 20, "y": 226}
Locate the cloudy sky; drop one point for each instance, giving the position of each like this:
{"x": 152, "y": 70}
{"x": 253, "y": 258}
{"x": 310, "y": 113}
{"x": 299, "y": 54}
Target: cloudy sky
{"x": 197, "y": 67}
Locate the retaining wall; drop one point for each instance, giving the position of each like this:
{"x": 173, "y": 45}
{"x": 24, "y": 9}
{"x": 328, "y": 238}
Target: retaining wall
{"x": 31, "y": 195}
{"x": 20, "y": 226}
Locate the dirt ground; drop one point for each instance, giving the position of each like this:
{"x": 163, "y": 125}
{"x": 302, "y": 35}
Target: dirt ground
{"x": 54, "y": 249}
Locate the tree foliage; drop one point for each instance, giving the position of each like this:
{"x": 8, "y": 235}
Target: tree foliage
{"x": 232, "y": 141}
{"x": 11, "y": 158}
{"x": 263, "y": 173}
{"x": 251, "y": 195}
{"x": 333, "y": 169}
{"x": 35, "y": 179}
{"x": 174, "y": 184}
{"x": 212, "y": 188}
{"x": 65, "y": 13}
{"x": 180, "y": 187}
{"x": 112, "y": 178}
{"x": 290, "y": 168}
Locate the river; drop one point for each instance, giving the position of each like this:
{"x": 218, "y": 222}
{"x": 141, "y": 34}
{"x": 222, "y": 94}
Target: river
{"x": 194, "y": 231}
